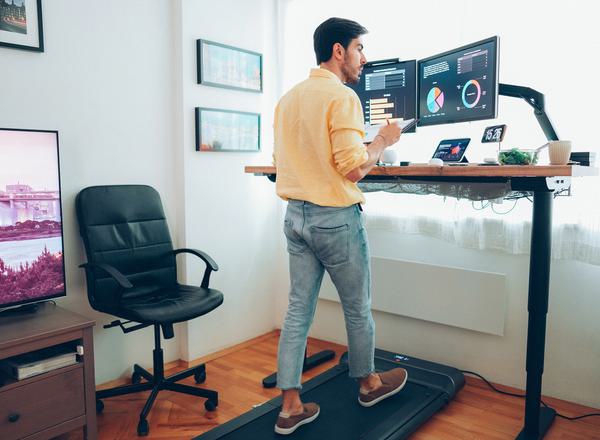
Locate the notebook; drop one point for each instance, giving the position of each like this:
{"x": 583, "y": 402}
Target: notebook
{"x": 372, "y": 130}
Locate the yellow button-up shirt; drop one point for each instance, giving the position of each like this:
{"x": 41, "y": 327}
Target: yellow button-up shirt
{"x": 319, "y": 128}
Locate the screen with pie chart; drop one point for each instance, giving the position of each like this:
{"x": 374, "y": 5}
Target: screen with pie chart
{"x": 459, "y": 85}
{"x": 387, "y": 90}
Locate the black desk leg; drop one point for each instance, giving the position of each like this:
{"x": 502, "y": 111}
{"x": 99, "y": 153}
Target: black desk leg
{"x": 537, "y": 419}
{"x": 309, "y": 362}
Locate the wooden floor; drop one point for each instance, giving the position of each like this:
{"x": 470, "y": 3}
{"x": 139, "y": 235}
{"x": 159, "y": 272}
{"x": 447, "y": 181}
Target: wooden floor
{"x": 476, "y": 413}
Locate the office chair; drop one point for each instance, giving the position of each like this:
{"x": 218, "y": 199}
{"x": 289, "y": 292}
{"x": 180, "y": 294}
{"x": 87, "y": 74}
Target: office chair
{"x": 131, "y": 273}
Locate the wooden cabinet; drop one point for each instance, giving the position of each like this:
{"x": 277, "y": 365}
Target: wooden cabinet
{"x": 55, "y": 402}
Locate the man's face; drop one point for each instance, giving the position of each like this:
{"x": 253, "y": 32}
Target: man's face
{"x": 354, "y": 59}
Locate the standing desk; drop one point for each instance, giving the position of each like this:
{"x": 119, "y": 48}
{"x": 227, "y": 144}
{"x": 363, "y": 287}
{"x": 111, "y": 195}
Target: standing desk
{"x": 543, "y": 182}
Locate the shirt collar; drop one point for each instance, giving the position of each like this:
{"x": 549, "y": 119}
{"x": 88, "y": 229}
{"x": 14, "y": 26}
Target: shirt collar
{"x": 323, "y": 73}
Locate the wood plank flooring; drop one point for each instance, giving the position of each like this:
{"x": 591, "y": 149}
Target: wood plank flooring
{"x": 236, "y": 373}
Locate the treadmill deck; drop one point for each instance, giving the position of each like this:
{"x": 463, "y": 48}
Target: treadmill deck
{"x": 343, "y": 417}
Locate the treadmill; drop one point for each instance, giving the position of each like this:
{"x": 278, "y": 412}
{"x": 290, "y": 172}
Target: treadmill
{"x": 429, "y": 388}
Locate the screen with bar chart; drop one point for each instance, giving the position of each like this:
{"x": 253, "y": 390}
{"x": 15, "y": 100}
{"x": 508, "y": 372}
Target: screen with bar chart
{"x": 387, "y": 91}
{"x": 459, "y": 85}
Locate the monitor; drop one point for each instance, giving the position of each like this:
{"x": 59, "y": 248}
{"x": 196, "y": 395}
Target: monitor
{"x": 387, "y": 90}
{"x": 459, "y": 85}
{"x": 31, "y": 238}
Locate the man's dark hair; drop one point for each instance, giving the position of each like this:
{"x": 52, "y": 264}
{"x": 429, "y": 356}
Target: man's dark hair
{"x": 335, "y": 30}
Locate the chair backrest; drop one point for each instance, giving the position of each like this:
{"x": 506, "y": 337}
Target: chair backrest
{"x": 125, "y": 226}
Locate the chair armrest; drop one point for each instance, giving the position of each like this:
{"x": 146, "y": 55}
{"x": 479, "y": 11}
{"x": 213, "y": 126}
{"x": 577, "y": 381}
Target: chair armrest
{"x": 211, "y": 265}
{"x": 112, "y": 271}
{"x": 202, "y": 255}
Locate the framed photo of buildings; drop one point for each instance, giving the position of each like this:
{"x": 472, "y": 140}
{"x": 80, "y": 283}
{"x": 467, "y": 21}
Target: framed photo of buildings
{"x": 21, "y": 24}
{"x": 230, "y": 67}
{"x": 227, "y": 130}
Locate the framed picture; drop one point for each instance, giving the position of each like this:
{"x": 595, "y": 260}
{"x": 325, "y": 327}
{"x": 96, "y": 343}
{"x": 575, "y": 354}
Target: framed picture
{"x": 229, "y": 67}
{"x": 21, "y": 24}
{"x": 227, "y": 130}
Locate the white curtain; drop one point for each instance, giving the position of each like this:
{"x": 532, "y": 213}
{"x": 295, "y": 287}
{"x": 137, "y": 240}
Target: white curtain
{"x": 499, "y": 225}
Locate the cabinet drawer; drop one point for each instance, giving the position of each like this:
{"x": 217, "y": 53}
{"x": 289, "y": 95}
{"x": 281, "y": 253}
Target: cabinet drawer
{"x": 38, "y": 405}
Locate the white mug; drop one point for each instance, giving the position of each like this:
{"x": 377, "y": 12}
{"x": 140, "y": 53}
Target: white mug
{"x": 389, "y": 156}
{"x": 559, "y": 152}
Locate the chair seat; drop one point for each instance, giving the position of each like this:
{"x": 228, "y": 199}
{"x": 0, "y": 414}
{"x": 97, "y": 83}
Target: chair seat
{"x": 169, "y": 305}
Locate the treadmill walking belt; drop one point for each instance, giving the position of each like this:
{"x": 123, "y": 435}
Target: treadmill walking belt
{"x": 341, "y": 415}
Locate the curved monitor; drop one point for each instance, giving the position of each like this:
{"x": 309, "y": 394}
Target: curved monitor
{"x": 387, "y": 91}
{"x": 459, "y": 85}
{"x": 31, "y": 239}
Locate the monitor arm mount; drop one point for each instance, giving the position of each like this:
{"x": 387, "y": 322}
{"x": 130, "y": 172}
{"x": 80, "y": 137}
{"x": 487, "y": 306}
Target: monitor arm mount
{"x": 534, "y": 99}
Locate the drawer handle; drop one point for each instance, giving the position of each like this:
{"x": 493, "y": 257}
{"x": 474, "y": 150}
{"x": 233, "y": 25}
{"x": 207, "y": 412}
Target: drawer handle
{"x": 12, "y": 418}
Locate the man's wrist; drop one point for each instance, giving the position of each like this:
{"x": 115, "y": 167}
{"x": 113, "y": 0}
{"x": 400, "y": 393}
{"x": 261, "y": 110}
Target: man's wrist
{"x": 382, "y": 138}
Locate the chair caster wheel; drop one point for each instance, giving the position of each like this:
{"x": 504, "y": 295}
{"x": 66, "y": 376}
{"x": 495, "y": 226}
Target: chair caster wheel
{"x": 210, "y": 405}
{"x": 136, "y": 378}
{"x": 99, "y": 406}
{"x": 142, "y": 428}
{"x": 200, "y": 377}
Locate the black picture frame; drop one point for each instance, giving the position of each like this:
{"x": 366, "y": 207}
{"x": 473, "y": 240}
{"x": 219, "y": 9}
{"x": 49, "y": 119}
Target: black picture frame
{"x": 227, "y": 130}
{"x": 15, "y": 25}
{"x": 211, "y": 56}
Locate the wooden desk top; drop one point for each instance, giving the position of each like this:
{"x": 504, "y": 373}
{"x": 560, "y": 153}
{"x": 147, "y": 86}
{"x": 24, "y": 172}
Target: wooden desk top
{"x": 471, "y": 170}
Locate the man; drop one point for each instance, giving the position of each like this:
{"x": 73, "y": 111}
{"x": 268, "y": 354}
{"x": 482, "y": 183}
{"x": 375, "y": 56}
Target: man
{"x": 319, "y": 157}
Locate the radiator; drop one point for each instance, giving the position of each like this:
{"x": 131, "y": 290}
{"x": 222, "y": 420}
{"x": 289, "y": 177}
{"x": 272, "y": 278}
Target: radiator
{"x": 453, "y": 296}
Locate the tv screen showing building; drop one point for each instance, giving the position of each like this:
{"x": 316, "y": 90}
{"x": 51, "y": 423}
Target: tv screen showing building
{"x": 31, "y": 240}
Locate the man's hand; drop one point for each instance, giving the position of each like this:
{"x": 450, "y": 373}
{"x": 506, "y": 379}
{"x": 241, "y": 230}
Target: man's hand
{"x": 390, "y": 133}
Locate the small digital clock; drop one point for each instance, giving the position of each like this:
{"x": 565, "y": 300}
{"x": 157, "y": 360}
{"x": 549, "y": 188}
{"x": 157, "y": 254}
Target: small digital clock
{"x": 494, "y": 133}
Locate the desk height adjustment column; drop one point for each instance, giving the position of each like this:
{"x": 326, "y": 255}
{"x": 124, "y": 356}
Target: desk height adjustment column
{"x": 537, "y": 419}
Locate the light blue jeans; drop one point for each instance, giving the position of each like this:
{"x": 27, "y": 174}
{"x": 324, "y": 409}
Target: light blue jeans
{"x": 334, "y": 239}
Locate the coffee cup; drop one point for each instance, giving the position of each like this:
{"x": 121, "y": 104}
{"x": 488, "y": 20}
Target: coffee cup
{"x": 559, "y": 152}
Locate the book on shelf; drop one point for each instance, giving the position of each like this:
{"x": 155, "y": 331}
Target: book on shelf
{"x": 40, "y": 361}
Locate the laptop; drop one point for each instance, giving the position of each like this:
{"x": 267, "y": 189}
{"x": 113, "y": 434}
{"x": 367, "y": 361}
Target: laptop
{"x": 452, "y": 151}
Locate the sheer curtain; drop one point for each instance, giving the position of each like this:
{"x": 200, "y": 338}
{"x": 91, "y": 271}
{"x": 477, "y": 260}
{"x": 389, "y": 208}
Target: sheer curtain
{"x": 551, "y": 59}
{"x": 499, "y": 225}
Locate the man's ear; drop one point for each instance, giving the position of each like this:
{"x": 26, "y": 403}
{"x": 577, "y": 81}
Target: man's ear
{"x": 338, "y": 51}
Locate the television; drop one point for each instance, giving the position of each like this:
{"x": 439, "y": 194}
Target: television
{"x": 387, "y": 90}
{"x": 459, "y": 85}
{"x": 31, "y": 238}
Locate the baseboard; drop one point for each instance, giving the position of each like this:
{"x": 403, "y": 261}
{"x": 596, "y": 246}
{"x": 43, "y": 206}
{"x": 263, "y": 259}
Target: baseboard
{"x": 179, "y": 363}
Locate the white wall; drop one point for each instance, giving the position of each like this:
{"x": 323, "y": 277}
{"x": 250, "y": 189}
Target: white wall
{"x": 232, "y": 215}
{"x": 104, "y": 83}
{"x": 117, "y": 80}
{"x": 545, "y": 46}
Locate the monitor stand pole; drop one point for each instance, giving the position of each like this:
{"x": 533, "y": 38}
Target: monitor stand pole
{"x": 537, "y": 419}
{"x": 309, "y": 362}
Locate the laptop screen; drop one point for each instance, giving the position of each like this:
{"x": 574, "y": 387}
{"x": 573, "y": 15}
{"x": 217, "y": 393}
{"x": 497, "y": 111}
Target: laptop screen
{"x": 451, "y": 150}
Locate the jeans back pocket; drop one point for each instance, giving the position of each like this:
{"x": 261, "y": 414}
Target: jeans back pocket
{"x": 331, "y": 244}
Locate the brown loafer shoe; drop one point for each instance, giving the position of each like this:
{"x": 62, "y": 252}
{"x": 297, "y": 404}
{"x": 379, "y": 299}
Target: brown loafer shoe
{"x": 393, "y": 381}
{"x": 286, "y": 424}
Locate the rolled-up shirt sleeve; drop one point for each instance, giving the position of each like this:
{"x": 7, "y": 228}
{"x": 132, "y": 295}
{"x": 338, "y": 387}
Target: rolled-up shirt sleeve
{"x": 346, "y": 129}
